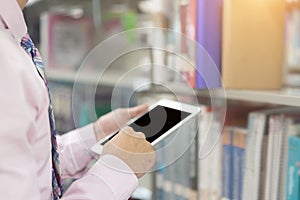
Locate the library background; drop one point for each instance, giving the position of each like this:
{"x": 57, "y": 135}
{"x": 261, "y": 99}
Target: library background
{"x": 249, "y": 96}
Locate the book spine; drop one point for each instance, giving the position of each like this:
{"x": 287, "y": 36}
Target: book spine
{"x": 202, "y": 186}
{"x": 208, "y": 36}
{"x": 296, "y": 37}
{"x": 277, "y": 155}
{"x": 241, "y": 39}
{"x": 269, "y": 167}
{"x": 249, "y": 168}
{"x": 191, "y": 33}
{"x": 264, "y": 163}
{"x": 289, "y": 32}
{"x": 287, "y": 122}
{"x": 227, "y": 170}
{"x": 292, "y": 176}
{"x": 259, "y": 134}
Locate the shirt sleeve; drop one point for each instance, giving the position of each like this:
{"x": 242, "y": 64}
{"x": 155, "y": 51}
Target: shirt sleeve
{"x": 75, "y": 153}
{"x": 109, "y": 178}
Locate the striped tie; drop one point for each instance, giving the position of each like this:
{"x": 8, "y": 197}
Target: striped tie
{"x": 30, "y": 48}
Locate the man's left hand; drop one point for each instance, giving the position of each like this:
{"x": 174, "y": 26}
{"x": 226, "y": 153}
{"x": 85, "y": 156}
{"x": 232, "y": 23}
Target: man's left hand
{"x": 116, "y": 119}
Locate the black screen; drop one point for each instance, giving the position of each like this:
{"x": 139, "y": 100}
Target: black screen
{"x": 156, "y": 122}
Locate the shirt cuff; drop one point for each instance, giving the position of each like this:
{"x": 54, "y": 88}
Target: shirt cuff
{"x": 75, "y": 150}
{"x": 118, "y": 176}
{"x": 87, "y": 136}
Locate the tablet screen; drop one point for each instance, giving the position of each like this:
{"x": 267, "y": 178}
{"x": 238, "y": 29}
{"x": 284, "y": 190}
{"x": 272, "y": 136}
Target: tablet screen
{"x": 156, "y": 122}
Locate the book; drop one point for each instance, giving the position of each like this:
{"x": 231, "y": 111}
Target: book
{"x": 65, "y": 39}
{"x": 292, "y": 42}
{"x": 263, "y": 142}
{"x": 289, "y": 158}
{"x": 253, "y": 44}
{"x": 209, "y": 36}
{"x": 279, "y": 132}
{"x": 118, "y": 18}
{"x": 188, "y": 50}
{"x": 192, "y": 27}
{"x": 292, "y": 172}
{"x": 234, "y": 142}
{"x": 256, "y": 128}
{"x": 210, "y": 154}
{"x": 61, "y": 96}
{"x": 263, "y": 168}
{"x": 266, "y": 153}
{"x": 274, "y": 155}
{"x": 227, "y": 165}
{"x": 292, "y": 48}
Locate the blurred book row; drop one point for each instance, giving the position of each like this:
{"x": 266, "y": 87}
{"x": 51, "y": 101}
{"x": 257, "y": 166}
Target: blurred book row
{"x": 260, "y": 161}
{"x": 250, "y": 45}
{"x": 72, "y": 109}
{"x": 69, "y": 32}
{"x": 292, "y": 45}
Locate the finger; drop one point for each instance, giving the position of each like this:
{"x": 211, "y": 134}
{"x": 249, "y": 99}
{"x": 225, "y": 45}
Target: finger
{"x": 133, "y": 112}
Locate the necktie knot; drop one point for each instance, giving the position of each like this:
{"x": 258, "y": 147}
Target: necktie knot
{"x": 27, "y": 43}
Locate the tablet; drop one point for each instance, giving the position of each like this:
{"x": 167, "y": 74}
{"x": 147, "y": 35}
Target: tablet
{"x": 162, "y": 119}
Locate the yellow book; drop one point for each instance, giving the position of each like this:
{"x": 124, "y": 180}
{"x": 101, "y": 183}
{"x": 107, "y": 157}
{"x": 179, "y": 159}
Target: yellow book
{"x": 253, "y": 44}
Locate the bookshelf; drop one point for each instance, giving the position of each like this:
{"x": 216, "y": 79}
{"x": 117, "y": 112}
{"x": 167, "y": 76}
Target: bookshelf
{"x": 241, "y": 102}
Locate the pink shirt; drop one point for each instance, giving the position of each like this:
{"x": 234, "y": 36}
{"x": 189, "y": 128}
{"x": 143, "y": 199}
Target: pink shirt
{"x": 25, "y": 165}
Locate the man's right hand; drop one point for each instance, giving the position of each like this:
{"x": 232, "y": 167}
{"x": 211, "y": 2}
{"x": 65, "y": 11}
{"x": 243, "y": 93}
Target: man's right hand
{"x": 133, "y": 148}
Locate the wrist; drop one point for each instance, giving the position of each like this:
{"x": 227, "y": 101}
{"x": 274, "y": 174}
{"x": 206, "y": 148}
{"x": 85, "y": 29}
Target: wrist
{"x": 114, "y": 172}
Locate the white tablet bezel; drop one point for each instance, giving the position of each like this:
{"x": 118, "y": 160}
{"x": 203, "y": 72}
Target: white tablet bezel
{"x": 194, "y": 110}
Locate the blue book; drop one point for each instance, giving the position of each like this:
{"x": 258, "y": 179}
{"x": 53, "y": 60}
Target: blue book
{"x": 227, "y": 163}
{"x": 208, "y": 36}
{"x": 292, "y": 178}
{"x": 238, "y": 158}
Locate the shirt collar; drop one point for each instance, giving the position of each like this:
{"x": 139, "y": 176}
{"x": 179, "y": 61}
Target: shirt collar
{"x": 12, "y": 16}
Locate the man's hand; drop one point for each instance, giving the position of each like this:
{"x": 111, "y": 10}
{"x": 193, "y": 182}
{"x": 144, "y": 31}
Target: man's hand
{"x": 133, "y": 149}
{"x": 116, "y": 119}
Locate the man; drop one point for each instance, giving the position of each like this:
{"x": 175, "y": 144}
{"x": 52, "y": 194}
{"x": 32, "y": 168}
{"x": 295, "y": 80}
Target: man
{"x": 29, "y": 167}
